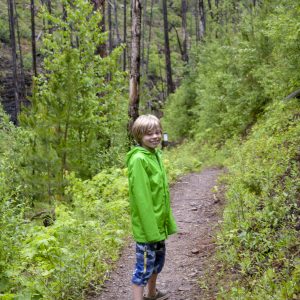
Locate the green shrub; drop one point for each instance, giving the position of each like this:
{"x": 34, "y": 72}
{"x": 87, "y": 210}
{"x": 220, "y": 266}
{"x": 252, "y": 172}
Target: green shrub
{"x": 259, "y": 238}
{"x": 60, "y": 261}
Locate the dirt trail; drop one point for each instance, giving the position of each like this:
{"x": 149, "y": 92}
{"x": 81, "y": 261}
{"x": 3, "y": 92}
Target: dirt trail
{"x": 196, "y": 211}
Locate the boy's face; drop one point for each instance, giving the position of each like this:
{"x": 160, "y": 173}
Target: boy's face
{"x": 151, "y": 139}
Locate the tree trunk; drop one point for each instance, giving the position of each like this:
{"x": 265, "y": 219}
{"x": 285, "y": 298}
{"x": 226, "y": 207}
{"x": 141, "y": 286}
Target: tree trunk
{"x": 143, "y": 35}
{"x": 33, "y": 44}
{"x": 11, "y": 20}
{"x": 50, "y": 12}
{"x": 210, "y": 9}
{"x": 124, "y": 33}
{"x": 109, "y": 27}
{"x": 197, "y": 22}
{"x": 116, "y": 22}
{"x": 149, "y": 38}
{"x": 22, "y": 79}
{"x": 100, "y": 5}
{"x": 184, "y": 31}
{"x": 202, "y": 24}
{"x": 178, "y": 41}
{"x": 170, "y": 86}
{"x": 136, "y": 11}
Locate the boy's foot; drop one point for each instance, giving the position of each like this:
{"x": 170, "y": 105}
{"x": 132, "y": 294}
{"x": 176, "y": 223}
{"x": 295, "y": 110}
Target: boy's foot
{"x": 159, "y": 296}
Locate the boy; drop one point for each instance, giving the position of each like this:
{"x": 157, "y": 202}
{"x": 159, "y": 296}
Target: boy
{"x": 151, "y": 215}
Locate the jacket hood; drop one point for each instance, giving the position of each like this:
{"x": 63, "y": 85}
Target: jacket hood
{"x": 139, "y": 149}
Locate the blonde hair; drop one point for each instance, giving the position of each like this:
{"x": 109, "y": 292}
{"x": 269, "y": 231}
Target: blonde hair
{"x": 144, "y": 124}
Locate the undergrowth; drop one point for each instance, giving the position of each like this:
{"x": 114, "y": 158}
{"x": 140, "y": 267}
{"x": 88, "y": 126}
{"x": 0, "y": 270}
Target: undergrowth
{"x": 62, "y": 260}
{"x": 259, "y": 240}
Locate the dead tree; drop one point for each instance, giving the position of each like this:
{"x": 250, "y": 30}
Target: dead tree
{"x": 134, "y": 84}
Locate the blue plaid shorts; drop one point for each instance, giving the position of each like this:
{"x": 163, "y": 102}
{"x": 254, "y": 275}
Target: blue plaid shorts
{"x": 150, "y": 258}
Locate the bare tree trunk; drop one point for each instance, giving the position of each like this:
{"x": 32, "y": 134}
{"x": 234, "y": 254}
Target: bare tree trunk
{"x": 184, "y": 31}
{"x": 22, "y": 79}
{"x": 136, "y": 11}
{"x": 170, "y": 85}
{"x": 197, "y": 22}
{"x": 160, "y": 73}
{"x": 109, "y": 27}
{"x": 10, "y": 6}
{"x": 143, "y": 35}
{"x": 149, "y": 38}
{"x": 178, "y": 41}
{"x": 202, "y": 26}
{"x": 217, "y": 17}
{"x": 33, "y": 44}
{"x": 116, "y": 22}
{"x": 124, "y": 34}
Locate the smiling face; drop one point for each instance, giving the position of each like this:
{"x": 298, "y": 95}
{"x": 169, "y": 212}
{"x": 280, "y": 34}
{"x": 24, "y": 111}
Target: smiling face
{"x": 151, "y": 139}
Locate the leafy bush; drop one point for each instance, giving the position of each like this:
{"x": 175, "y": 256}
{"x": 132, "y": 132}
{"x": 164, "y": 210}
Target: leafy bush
{"x": 60, "y": 261}
{"x": 259, "y": 237}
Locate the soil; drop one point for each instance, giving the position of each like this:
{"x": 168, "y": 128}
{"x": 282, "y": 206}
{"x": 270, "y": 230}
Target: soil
{"x": 189, "y": 263}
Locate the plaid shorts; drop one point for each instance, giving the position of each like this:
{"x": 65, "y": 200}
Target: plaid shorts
{"x": 150, "y": 258}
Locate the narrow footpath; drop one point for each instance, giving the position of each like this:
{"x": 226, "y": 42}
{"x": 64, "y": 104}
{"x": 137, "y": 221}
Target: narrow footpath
{"x": 197, "y": 210}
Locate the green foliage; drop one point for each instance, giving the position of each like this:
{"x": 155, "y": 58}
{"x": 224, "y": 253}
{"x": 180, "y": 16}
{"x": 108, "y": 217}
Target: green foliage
{"x": 78, "y": 116}
{"x": 231, "y": 104}
{"x": 233, "y": 77}
{"x": 60, "y": 261}
{"x": 259, "y": 238}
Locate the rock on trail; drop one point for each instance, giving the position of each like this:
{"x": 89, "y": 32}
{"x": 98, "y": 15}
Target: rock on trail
{"x": 196, "y": 210}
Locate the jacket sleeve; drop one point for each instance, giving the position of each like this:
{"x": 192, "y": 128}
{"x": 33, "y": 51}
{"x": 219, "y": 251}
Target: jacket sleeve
{"x": 142, "y": 204}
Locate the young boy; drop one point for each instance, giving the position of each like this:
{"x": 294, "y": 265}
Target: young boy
{"x": 151, "y": 215}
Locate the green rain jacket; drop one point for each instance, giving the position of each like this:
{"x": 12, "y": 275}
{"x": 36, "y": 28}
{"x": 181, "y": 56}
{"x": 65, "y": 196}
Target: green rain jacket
{"x": 151, "y": 215}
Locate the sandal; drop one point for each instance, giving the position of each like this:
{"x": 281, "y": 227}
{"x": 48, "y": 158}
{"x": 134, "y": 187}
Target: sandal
{"x": 159, "y": 296}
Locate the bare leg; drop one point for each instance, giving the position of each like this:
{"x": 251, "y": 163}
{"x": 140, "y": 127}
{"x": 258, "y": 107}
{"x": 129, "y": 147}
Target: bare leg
{"x": 152, "y": 285}
{"x": 137, "y": 292}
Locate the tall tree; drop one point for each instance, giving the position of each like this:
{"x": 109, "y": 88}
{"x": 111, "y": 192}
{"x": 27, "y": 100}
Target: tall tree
{"x": 11, "y": 19}
{"x": 124, "y": 32}
{"x": 22, "y": 77}
{"x": 184, "y": 31}
{"x": 33, "y": 43}
{"x": 109, "y": 20}
{"x": 134, "y": 86}
{"x": 143, "y": 34}
{"x": 202, "y": 24}
{"x": 149, "y": 37}
{"x": 117, "y": 22}
{"x": 170, "y": 85}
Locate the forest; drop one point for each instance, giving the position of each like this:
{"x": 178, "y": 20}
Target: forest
{"x": 223, "y": 77}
